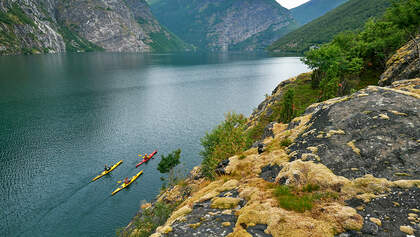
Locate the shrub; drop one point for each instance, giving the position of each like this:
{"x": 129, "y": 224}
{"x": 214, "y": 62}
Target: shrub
{"x": 167, "y": 163}
{"x": 287, "y": 112}
{"x": 310, "y": 188}
{"x": 290, "y": 201}
{"x": 227, "y": 139}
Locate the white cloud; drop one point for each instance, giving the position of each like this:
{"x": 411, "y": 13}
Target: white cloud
{"x": 291, "y": 3}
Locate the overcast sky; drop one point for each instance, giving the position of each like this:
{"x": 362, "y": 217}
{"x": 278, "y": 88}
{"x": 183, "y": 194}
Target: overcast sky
{"x": 291, "y": 3}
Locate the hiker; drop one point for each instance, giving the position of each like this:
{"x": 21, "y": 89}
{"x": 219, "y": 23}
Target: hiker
{"x": 126, "y": 181}
{"x": 107, "y": 168}
{"x": 260, "y": 148}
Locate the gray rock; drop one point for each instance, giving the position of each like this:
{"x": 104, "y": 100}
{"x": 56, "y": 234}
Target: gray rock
{"x": 378, "y": 135}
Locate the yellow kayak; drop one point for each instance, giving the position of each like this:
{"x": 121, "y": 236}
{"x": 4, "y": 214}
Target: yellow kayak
{"x": 107, "y": 171}
{"x": 124, "y": 185}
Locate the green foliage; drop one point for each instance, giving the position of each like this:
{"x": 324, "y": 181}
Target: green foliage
{"x": 291, "y": 198}
{"x": 227, "y": 139}
{"x": 309, "y": 188}
{"x": 342, "y": 62}
{"x": 287, "y": 112}
{"x": 150, "y": 219}
{"x": 167, "y": 163}
{"x": 291, "y": 201}
{"x": 347, "y": 17}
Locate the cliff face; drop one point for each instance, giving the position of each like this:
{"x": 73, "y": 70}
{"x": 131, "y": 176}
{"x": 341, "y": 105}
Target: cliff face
{"x": 35, "y": 26}
{"x": 348, "y": 166}
{"x": 225, "y": 25}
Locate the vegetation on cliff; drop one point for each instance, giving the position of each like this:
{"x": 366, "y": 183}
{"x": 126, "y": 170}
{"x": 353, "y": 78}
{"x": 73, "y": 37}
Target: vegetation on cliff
{"x": 352, "y": 15}
{"x": 350, "y": 56}
{"x": 314, "y": 9}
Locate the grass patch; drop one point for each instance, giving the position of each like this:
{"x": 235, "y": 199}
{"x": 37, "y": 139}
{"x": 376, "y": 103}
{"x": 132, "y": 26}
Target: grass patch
{"x": 150, "y": 219}
{"x": 300, "y": 200}
{"x": 242, "y": 156}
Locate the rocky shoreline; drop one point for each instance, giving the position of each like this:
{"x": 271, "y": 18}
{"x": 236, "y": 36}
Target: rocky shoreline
{"x": 352, "y": 163}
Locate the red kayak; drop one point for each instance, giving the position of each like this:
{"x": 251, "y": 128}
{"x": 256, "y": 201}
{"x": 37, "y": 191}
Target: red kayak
{"x": 147, "y": 159}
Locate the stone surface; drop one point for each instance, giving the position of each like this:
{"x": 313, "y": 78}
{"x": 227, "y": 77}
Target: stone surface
{"x": 404, "y": 64}
{"x": 379, "y": 131}
{"x": 392, "y": 216}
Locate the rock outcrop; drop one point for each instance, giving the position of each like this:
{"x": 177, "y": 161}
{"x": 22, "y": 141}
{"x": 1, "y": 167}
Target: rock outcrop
{"x": 355, "y": 157}
{"x": 225, "y": 25}
{"x": 404, "y": 64}
{"x": 51, "y": 26}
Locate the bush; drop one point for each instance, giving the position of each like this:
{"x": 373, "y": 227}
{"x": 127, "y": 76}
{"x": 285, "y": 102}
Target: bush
{"x": 167, "y": 163}
{"x": 287, "y": 112}
{"x": 151, "y": 218}
{"x": 227, "y": 139}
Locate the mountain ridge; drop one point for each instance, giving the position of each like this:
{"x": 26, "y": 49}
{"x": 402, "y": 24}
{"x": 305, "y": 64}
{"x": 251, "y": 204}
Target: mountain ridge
{"x": 225, "y": 25}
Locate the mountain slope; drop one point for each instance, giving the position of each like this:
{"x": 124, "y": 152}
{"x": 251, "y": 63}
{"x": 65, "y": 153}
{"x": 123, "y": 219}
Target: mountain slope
{"x": 314, "y": 9}
{"x": 349, "y": 16}
{"x": 225, "y": 25}
{"x": 36, "y": 26}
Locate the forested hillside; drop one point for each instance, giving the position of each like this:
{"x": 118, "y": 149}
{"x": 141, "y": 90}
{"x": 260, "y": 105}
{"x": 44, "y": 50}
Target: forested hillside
{"x": 351, "y": 15}
{"x": 314, "y": 9}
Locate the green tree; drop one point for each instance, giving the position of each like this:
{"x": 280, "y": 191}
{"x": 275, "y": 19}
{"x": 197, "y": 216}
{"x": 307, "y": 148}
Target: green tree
{"x": 167, "y": 163}
{"x": 287, "y": 112}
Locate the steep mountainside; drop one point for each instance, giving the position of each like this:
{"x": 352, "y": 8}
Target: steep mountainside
{"x": 35, "y": 26}
{"x": 314, "y": 9}
{"x": 349, "y": 16}
{"x": 223, "y": 25}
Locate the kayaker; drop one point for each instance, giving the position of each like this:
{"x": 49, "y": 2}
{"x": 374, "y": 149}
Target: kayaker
{"x": 260, "y": 148}
{"x": 126, "y": 181}
{"x": 107, "y": 168}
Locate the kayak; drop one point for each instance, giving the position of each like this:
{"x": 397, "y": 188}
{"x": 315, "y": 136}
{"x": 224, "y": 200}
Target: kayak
{"x": 124, "y": 185}
{"x": 147, "y": 159}
{"x": 107, "y": 171}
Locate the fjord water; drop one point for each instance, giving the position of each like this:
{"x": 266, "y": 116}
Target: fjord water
{"x": 62, "y": 117}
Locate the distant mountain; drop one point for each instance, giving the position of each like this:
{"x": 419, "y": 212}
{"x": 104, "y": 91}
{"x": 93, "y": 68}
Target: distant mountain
{"x": 222, "y": 25}
{"x": 314, "y": 9}
{"x": 350, "y": 16}
{"x": 51, "y": 26}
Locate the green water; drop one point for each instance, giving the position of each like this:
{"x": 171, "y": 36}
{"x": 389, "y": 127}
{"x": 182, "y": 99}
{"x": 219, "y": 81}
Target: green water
{"x": 62, "y": 117}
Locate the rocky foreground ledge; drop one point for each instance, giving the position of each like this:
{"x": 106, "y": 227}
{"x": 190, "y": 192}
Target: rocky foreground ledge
{"x": 361, "y": 152}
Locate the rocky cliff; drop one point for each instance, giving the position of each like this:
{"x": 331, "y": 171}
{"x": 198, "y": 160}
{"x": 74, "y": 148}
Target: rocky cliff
{"x": 348, "y": 166}
{"x": 404, "y": 64}
{"x": 225, "y": 25}
{"x": 51, "y": 26}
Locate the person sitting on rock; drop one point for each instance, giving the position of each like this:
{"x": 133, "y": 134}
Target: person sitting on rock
{"x": 260, "y": 148}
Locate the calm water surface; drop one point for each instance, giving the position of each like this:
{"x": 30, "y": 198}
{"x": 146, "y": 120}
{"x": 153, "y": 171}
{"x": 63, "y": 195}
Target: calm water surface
{"x": 62, "y": 117}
